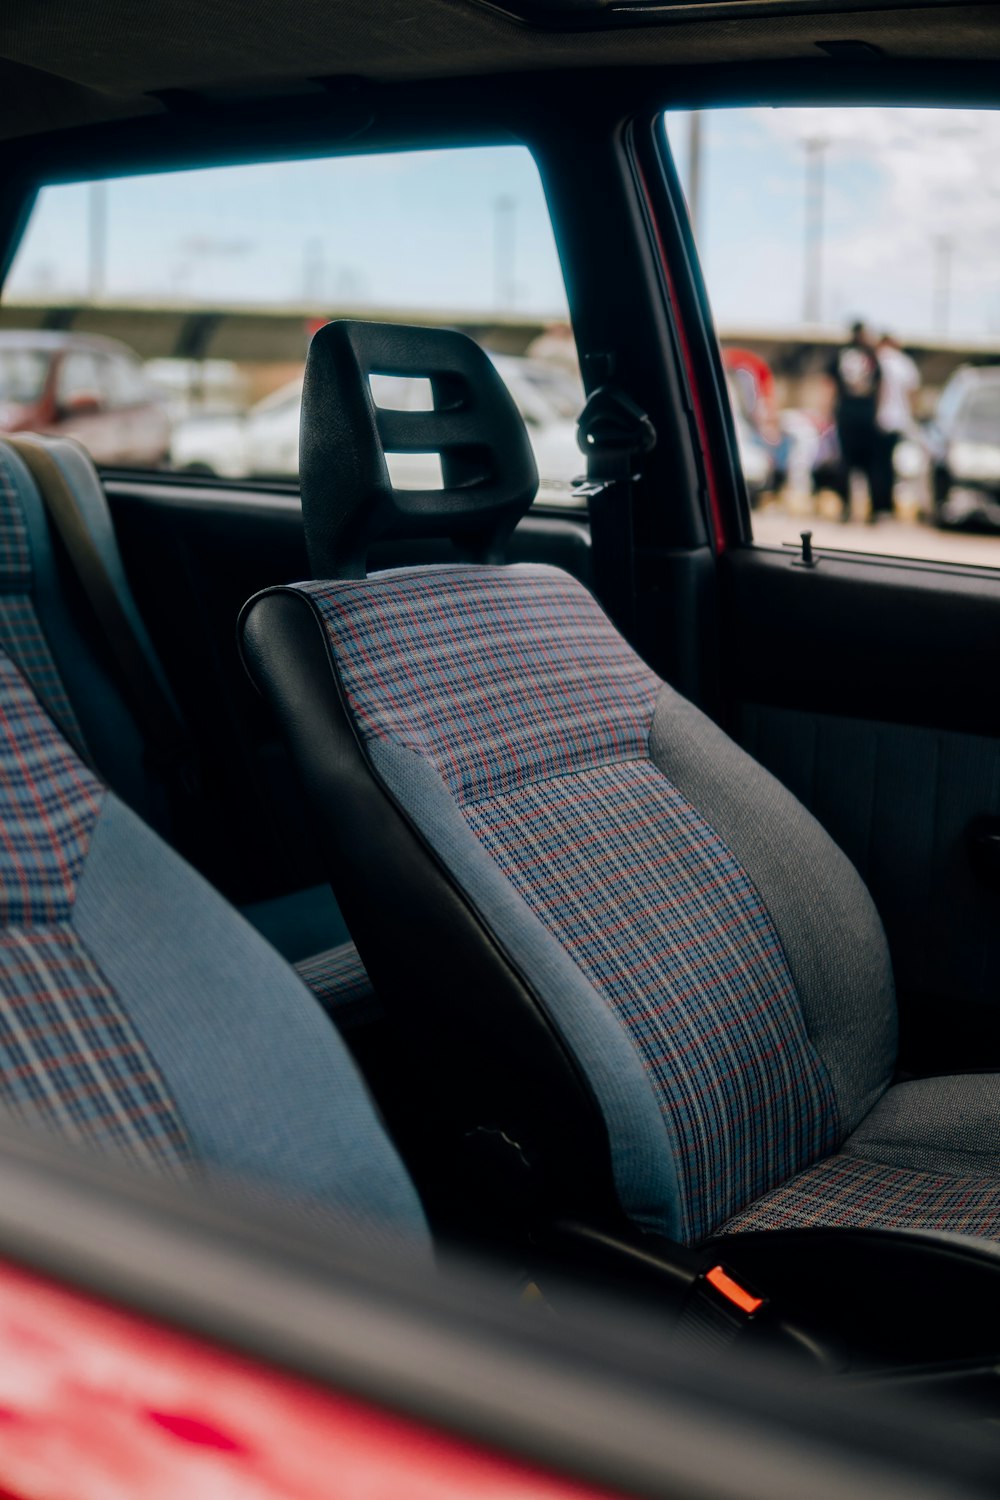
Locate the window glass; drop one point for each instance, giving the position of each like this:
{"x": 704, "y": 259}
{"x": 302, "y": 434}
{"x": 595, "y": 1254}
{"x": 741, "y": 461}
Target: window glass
{"x": 79, "y": 379}
{"x": 123, "y": 380}
{"x": 215, "y": 280}
{"x": 850, "y": 258}
{"x": 23, "y": 373}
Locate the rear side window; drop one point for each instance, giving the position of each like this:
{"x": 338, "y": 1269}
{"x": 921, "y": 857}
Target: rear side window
{"x": 850, "y": 256}
{"x": 214, "y": 281}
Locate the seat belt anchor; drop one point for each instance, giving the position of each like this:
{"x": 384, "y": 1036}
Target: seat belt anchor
{"x": 584, "y": 488}
{"x": 613, "y": 431}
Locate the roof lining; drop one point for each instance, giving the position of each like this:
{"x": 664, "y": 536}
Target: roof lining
{"x": 71, "y": 67}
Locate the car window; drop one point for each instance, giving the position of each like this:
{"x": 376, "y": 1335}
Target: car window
{"x": 849, "y": 255}
{"x": 23, "y": 373}
{"x": 80, "y": 378}
{"x": 217, "y": 279}
{"x": 124, "y": 382}
{"x": 978, "y": 414}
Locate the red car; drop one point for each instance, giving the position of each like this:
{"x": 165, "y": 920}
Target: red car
{"x": 497, "y": 1001}
{"x": 88, "y": 388}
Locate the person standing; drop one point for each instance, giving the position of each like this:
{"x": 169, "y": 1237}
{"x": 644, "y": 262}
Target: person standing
{"x": 857, "y": 377}
{"x": 900, "y": 379}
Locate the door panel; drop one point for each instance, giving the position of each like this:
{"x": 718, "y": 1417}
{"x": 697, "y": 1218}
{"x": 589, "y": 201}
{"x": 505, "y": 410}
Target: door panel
{"x": 870, "y": 691}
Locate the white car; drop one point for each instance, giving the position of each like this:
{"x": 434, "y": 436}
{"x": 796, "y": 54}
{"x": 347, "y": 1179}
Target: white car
{"x": 264, "y": 442}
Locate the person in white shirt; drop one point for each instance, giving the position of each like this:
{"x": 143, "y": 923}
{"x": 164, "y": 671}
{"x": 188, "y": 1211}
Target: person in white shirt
{"x": 894, "y": 417}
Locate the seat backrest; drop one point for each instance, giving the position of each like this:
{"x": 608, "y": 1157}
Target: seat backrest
{"x": 140, "y": 1013}
{"x": 48, "y": 629}
{"x": 649, "y": 962}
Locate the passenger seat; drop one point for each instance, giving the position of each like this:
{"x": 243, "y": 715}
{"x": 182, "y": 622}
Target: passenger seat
{"x": 644, "y": 985}
{"x": 49, "y": 629}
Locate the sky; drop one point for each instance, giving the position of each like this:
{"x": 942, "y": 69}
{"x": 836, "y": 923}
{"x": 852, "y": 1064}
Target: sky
{"x": 457, "y": 229}
{"x": 911, "y": 195}
{"x": 897, "y": 181}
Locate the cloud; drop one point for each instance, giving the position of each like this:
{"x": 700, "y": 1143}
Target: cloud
{"x": 938, "y": 172}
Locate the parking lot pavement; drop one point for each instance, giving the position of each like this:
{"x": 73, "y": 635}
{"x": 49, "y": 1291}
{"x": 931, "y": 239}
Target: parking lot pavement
{"x": 774, "y": 525}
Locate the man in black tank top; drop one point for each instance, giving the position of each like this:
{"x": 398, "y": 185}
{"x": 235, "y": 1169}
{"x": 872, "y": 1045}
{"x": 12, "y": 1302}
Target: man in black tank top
{"x": 857, "y": 376}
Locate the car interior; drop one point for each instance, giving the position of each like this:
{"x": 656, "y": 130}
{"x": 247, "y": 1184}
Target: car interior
{"x": 591, "y": 892}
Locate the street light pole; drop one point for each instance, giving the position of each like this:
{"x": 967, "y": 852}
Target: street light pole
{"x": 97, "y": 237}
{"x": 313, "y": 269}
{"x": 944, "y": 247}
{"x": 504, "y": 246}
{"x": 812, "y": 295}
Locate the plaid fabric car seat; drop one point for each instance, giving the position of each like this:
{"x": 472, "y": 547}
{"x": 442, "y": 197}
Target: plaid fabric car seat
{"x": 47, "y": 629}
{"x": 139, "y": 1013}
{"x": 625, "y": 952}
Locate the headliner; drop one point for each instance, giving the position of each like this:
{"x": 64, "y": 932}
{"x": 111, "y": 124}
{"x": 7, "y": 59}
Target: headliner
{"x": 66, "y": 63}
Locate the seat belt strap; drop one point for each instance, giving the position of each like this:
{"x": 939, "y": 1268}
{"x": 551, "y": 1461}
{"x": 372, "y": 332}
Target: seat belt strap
{"x": 614, "y": 432}
{"x": 169, "y": 747}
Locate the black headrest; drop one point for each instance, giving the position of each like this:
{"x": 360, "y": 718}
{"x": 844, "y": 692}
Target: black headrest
{"x": 348, "y": 500}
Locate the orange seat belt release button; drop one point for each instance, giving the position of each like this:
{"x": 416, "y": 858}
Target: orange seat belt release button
{"x": 738, "y": 1295}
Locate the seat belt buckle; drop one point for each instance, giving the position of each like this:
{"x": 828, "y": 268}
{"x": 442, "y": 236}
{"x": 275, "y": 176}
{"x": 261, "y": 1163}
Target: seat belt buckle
{"x": 717, "y": 1310}
{"x": 735, "y": 1294}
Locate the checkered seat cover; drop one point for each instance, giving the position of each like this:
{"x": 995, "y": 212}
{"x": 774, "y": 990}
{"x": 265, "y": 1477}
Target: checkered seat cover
{"x": 140, "y": 1014}
{"x": 647, "y": 959}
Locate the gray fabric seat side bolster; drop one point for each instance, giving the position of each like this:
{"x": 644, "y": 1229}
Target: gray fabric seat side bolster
{"x": 830, "y": 931}
{"x": 949, "y": 1125}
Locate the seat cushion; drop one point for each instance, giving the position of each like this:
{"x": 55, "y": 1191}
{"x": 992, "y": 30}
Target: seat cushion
{"x": 927, "y": 1157}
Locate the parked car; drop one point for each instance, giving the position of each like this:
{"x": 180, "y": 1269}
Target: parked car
{"x": 264, "y": 442}
{"x": 965, "y": 449}
{"x": 756, "y": 458}
{"x": 84, "y": 387}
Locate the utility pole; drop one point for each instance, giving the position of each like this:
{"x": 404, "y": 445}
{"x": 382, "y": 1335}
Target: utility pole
{"x": 97, "y": 238}
{"x": 313, "y": 270}
{"x": 695, "y": 144}
{"x": 504, "y": 250}
{"x": 944, "y": 249}
{"x": 812, "y": 294}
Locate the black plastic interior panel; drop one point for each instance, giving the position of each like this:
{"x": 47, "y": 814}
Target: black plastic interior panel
{"x": 869, "y": 688}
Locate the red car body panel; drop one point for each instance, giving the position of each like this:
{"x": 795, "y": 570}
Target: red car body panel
{"x": 99, "y": 1404}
